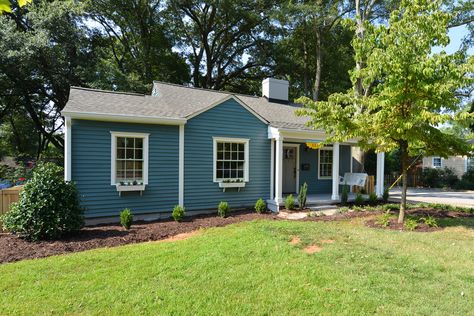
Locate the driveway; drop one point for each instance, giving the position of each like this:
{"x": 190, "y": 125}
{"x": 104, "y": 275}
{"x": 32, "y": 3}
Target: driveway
{"x": 455, "y": 198}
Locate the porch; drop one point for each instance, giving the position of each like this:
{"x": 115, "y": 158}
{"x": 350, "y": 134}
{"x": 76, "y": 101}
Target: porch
{"x": 294, "y": 162}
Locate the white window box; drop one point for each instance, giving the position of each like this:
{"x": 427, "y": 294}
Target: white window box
{"x": 130, "y": 188}
{"x": 231, "y": 185}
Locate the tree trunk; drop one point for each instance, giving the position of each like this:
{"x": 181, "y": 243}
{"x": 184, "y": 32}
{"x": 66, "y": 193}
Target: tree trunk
{"x": 403, "y": 202}
{"x": 317, "y": 79}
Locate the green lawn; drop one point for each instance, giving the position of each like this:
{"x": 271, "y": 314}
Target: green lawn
{"x": 251, "y": 268}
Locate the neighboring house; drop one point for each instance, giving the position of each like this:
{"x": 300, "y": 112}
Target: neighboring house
{"x": 195, "y": 148}
{"x": 459, "y": 164}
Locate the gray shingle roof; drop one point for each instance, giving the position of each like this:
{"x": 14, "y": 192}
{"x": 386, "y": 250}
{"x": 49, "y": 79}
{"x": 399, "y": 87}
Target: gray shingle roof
{"x": 176, "y": 102}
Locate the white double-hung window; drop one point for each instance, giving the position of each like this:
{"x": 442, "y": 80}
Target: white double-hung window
{"x": 325, "y": 163}
{"x": 129, "y": 158}
{"x": 231, "y": 159}
{"x": 437, "y": 162}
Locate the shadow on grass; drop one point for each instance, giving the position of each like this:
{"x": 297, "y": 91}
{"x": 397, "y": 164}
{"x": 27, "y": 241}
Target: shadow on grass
{"x": 467, "y": 222}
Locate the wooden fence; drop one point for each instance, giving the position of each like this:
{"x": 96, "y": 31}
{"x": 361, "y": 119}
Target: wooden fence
{"x": 7, "y": 197}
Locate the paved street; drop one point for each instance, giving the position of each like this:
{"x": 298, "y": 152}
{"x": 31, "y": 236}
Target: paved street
{"x": 457, "y": 198}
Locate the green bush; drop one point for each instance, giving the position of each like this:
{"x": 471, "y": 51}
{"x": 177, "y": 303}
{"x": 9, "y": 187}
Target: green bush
{"x": 178, "y": 213}
{"x": 359, "y": 199}
{"x": 373, "y": 198}
{"x": 48, "y": 207}
{"x": 344, "y": 194}
{"x": 126, "y": 218}
{"x": 290, "y": 202}
{"x": 467, "y": 181}
{"x": 439, "y": 178}
{"x": 411, "y": 224}
{"x": 384, "y": 220}
{"x": 385, "y": 195}
{"x": 302, "y": 195}
{"x": 260, "y": 206}
{"x": 430, "y": 221}
{"x": 223, "y": 209}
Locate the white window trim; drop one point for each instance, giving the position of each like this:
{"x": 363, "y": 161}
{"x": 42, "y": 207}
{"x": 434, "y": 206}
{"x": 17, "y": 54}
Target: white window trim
{"x": 113, "y": 154}
{"x": 231, "y": 140}
{"x": 433, "y": 164}
{"x": 319, "y": 164}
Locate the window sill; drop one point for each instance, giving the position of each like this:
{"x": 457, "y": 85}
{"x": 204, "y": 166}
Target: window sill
{"x": 231, "y": 185}
{"x": 130, "y": 188}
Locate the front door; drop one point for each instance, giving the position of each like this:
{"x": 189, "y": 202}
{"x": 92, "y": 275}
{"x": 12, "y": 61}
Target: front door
{"x": 289, "y": 169}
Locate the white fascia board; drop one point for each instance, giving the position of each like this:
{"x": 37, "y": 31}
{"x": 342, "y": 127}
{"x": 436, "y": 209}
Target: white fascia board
{"x": 124, "y": 118}
{"x": 303, "y": 135}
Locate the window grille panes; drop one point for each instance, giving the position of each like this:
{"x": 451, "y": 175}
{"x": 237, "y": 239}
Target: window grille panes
{"x": 230, "y": 160}
{"x": 325, "y": 163}
{"x": 437, "y": 162}
{"x": 129, "y": 160}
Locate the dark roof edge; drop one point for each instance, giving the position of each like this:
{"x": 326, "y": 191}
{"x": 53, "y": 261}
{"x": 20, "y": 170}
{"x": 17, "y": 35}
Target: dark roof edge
{"x": 108, "y": 91}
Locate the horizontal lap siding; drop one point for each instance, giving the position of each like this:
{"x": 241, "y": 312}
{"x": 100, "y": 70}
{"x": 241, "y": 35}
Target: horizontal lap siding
{"x": 321, "y": 186}
{"x": 91, "y": 146}
{"x": 228, "y": 119}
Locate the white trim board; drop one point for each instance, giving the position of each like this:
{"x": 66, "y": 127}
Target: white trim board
{"x": 104, "y": 117}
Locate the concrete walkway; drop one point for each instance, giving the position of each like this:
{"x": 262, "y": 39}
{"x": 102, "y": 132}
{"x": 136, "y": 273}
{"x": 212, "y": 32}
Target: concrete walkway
{"x": 455, "y": 198}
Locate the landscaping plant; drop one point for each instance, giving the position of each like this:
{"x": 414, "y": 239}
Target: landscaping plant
{"x": 126, "y": 218}
{"x": 223, "y": 209}
{"x": 302, "y": 195}
{"x": 359, "y": 199}
{"x": 384, "y": 220}
{"x": 345, "y": 194}
{"x": 385, "y": 195}
{"x": 178, "y": 213}
{"x": 290, "y": 202}
{"x": 48, "y": 207}
{"x": 373, "y": 198}
{"x": 411, "y": 224}
{"x": 260, "y": 206}
{"x": 430, "y": 221}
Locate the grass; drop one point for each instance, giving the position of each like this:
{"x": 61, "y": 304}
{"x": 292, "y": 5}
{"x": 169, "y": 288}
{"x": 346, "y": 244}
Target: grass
{"x": 251, "y": 268}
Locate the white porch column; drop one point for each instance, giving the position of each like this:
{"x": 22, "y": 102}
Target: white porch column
{"x": 278, "y": 170}
{"x": 181, "y": 166}
{"x": 379, "y": 180}
{"x": 67, "y": 149}
{"x": 335, "y": 172}
{"x": 272, "y": 168}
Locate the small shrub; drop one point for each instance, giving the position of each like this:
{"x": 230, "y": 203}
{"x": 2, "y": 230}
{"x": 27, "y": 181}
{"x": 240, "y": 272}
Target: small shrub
{"x": 344, "y": 209}
{"x": 302, "y": 196}
{"x": 385, "y": 195}
{"x": 373, "y": 198}
{"x": 391, "y": 207}
{"x": 344, "y": 194}
{"x": 358, "y": 209}
{"x": 260, "y": 206}
{"x": 126, "y": 218}
{"x": 384, "y": 220}
{"x": 48, "y": 207}
{"x": 430, "y": 221}
{"x": 290, "y": 202}
{"x": 223, "y": 209}
{"x": 411, "y": 224}
{"x": 178, "y": 213}
{"x": 359, "y": 199}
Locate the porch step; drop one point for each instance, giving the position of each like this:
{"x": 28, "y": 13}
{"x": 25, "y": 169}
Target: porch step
{"x": 321, "y": 207}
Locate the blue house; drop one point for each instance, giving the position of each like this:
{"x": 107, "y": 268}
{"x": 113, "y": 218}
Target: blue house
{"x": 195, "y": 147}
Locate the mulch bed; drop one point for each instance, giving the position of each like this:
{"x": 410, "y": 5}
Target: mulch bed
{"x": 418, "y": 213}
{"x": 13, "y": 248}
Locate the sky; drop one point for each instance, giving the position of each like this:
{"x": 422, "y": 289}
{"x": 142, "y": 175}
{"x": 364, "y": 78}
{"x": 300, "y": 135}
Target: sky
{"x": 456, "y": 35}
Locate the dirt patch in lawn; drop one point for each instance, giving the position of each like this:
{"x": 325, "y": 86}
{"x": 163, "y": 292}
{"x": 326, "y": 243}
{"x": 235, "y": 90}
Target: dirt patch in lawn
{"x": 13, "y": 248}
{"x": 295, "y": 240}
{"x": 327, "y": 241}
{"x": 182, "y": 236}
{"x": 312, "y": 249}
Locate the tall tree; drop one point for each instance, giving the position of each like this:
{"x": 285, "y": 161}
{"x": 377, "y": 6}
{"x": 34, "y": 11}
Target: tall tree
{"x": 131, "y": 39}
{"x": 224, "y": 40}
{"x": 43, "y": 51}
{"x": 413, "y": 91}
